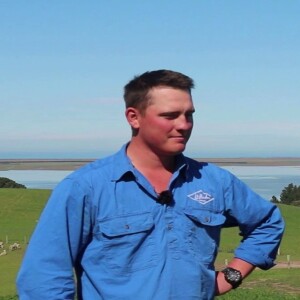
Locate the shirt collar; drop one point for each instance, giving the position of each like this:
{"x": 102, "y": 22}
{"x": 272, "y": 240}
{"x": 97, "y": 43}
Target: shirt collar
{"x": 122, "y": 164}
{"x": 182, "y": 165}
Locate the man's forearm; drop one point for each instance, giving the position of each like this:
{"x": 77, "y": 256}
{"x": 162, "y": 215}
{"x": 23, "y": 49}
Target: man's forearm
{"x": 222, "y": 286}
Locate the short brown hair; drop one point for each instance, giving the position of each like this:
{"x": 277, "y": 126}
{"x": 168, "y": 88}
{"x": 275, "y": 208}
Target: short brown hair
{"x": 136, "y": 91}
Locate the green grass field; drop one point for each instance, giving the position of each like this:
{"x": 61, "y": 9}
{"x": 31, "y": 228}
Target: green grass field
{"x": 20, "y": 210}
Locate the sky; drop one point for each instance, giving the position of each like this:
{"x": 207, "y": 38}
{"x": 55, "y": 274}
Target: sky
{"x": 63, "y": 66}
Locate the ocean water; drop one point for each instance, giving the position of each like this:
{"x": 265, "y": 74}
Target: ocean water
{"x": 36, "y": 179}
{"x": 266, "y": 181}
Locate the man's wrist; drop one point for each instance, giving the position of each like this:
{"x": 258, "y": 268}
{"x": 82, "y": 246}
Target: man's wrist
{"x": 233, "y": 276}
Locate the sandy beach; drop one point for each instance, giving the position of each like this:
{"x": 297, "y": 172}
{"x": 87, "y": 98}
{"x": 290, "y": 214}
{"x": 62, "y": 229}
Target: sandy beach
{"x": 72, "y": 164}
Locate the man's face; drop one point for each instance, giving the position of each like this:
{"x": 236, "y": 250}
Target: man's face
{"x": 166, "y": 124}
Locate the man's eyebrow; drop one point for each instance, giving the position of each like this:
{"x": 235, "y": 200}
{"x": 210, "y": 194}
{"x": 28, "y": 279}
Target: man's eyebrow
{"x": 177, "y": 112}
{"x": 190, "y": 111}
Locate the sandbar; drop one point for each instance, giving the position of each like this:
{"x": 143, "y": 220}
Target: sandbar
{"x": 73, "y": 164}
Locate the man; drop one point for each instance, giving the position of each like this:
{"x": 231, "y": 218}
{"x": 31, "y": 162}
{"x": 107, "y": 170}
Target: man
{"x": 145, "y": 223}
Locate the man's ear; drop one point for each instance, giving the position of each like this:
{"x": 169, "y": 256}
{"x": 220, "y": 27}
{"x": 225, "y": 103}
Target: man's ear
{"x": 132, "y": 116}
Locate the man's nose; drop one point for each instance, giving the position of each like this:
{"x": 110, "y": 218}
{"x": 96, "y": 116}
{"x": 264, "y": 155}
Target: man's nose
{"x": 184, "y": 123}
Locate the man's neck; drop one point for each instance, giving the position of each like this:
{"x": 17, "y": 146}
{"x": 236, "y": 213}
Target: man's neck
{"x": 143, "y": 158}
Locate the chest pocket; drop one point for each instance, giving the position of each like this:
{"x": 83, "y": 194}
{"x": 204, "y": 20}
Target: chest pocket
{"x": 202, "y": 232}
{"x": 128, "y": 245}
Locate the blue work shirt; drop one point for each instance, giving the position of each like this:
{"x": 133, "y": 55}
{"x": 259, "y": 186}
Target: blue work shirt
{"x": 104, "y": 224}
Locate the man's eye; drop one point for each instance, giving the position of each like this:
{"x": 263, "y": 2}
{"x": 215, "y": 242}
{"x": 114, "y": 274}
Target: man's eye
{"x": 170, "y": 116}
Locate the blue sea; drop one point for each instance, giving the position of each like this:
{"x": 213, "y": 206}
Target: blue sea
{"x": 266, "y": 181}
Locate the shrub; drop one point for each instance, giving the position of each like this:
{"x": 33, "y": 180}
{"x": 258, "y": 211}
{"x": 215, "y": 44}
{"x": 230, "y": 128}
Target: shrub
{"x": 8, "y": 183}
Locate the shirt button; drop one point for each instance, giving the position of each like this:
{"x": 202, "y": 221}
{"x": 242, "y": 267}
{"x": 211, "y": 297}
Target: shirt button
{"x": 126, "y": 226}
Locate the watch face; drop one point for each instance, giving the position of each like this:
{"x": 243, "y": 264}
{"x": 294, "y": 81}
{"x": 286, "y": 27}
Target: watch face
{"x": 233, "y": 276}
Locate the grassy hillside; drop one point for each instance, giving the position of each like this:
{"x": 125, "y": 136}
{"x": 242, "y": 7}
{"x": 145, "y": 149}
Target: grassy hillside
{"x": 20, "y": 209}
{"x": 291, "y": 241}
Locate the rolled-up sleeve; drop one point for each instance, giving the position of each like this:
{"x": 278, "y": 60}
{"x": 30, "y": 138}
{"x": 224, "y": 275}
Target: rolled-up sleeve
{"x": 260, "y": 222}
{"x": 63, "y": 229}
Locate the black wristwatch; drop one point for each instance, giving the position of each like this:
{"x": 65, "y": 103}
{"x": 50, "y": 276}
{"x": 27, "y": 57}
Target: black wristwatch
{"x": 233, "y": 276}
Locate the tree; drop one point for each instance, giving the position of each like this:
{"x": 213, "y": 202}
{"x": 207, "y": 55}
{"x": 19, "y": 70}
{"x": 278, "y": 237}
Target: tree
{"x": 290, "y": 195}
{"x": 274, "y": 200}
{"x": 8, "y": 183}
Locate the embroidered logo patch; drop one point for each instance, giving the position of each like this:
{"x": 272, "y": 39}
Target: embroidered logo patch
{"x": 201, "y": 197}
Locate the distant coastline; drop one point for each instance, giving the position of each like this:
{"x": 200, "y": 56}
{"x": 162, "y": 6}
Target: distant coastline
{"x": 72, "y": 164}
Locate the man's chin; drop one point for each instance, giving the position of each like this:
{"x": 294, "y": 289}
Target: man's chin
{"x": 178, "y": 149}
